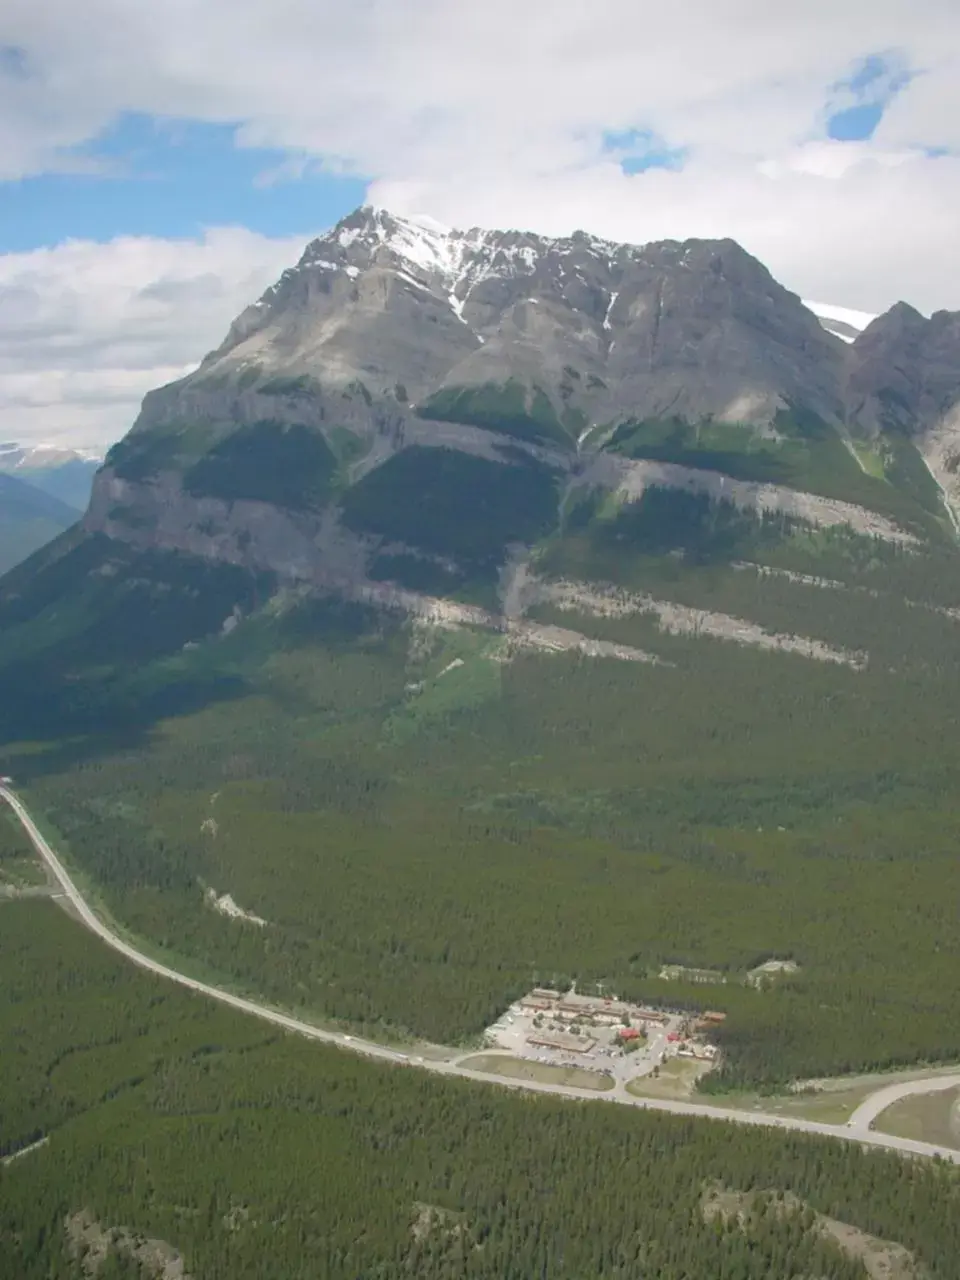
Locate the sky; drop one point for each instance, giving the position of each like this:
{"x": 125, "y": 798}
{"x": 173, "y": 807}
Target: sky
{"x": 160, "y": 164}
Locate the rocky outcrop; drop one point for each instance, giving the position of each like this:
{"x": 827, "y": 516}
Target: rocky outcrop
{"x": 903, "y": 376}
{"x": 904, "y": 371}
{"x": 160, "y": 514}
{"x": 631, "y": 479}
{"x": 607, "y": 601}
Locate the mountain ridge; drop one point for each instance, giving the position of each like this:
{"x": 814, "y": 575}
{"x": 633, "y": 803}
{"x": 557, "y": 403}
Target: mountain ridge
{"x": 64, "y": 471}
{"x": 477, "y": 286}
{"x": 609, "y": 367}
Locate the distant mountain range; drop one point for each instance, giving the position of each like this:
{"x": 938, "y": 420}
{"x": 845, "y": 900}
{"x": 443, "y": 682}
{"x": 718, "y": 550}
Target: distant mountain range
{"x": 29, "y": 518}
{"x": 63, "y": 472}
{"x": 44, "y": 489}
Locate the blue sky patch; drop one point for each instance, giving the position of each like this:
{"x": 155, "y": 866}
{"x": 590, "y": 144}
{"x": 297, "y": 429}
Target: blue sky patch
{"x": 170, "y": 179}
{"x": 872, "y": 87}
{"x": 855, "y": 124}
{"x": 639, "y": 150}
{"x": 13, "y": 62}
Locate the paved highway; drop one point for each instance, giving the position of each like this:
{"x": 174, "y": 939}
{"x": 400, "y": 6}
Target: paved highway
{"x": 857, "y": 1130}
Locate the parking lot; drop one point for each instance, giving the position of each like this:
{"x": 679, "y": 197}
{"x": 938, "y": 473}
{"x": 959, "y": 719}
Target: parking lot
{"x": 598, "y": 1033}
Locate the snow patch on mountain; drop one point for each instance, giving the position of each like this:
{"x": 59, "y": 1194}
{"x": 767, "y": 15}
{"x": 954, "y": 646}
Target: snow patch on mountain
{"x": 843, "y": 322}
{"x": 452, "y": 261}
{"x": 33, "y": 457}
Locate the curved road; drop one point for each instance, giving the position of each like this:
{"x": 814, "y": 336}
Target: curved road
{"x": 868, "y": 1110}
{"x": 856, "y": 1130}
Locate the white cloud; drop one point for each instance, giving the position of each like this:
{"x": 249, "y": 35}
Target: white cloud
{"x": 395, "y": 84}
{"x": 495, "y": 114}
{"x": 87, "y": 329}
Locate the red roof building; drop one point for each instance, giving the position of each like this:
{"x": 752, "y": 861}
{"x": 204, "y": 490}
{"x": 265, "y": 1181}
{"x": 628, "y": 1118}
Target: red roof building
{"x": 629, "y": 1033}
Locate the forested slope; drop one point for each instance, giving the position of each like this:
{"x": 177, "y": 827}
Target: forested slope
{"x": 430, "y": 820}
{"x": 261, "y": 1156}
{"x": 29, "y": 518}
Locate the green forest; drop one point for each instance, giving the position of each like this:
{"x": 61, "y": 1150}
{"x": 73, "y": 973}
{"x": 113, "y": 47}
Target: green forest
{"x": 260, "y": 1156}
{"x": 525, "y": 413}
{"x": 431, "y": 821}
{"x": 803, "y": 452}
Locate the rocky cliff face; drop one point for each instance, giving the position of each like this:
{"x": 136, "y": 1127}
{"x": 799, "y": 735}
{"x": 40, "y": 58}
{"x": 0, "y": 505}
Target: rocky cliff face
{"x": 396, "y": 347}
{"x": 903, "y": 377}
{"x": 405, "y": 310}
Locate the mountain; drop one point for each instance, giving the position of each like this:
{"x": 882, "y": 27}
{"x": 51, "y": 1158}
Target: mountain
{"x": 588, "y": 359}
{"x": 62, "y": 472}
{"x": 29, "y": 518}
{"x": 489, "y": 610}
{"x": 903, "y": 382}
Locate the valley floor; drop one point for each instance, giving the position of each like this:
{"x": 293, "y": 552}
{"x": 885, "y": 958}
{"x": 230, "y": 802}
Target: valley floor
{"x": 858, "y": 1128}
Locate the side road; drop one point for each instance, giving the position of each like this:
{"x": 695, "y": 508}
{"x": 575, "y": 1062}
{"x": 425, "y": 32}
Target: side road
{"x": 856, "y": 1130}
{"x": 871, "y": 1107}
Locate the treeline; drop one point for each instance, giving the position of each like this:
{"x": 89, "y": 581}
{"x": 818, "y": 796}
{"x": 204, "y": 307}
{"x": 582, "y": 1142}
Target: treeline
{"x": 264, "y": 1156}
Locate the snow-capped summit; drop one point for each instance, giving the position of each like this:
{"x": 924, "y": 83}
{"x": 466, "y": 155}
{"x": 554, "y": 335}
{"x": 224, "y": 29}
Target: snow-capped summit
{"x": 34, "y": 457}
{"x": 599, "y": 330}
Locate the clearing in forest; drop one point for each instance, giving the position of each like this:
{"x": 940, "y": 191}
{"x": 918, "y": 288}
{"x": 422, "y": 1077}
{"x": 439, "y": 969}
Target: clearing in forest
{"x": 521, "y": 1069}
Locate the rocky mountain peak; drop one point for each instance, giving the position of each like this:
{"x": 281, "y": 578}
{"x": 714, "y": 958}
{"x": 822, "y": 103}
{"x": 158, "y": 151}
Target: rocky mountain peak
{"x": 401, "y": 362}
{"x": 904, "y": 371}
{"x": 394, "y": 333}
{"x": 694, "y": 328}
{"x": 900, "y": 320}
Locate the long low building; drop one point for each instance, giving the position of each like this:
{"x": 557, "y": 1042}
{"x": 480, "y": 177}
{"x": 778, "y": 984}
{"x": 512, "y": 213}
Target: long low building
{"x": 536, "y": 1004}
{"x": 563, "y": 1041}
{"x": 572, "y": 1006}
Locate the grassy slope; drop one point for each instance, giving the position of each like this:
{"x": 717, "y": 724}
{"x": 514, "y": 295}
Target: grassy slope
{"x": 525, "y": 413}
{"x": 261, "y": 1155}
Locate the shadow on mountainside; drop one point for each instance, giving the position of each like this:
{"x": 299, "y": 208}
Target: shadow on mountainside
{"x": 97, "y": 644}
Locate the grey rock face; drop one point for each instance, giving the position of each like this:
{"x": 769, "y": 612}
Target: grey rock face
{"x": 702, "y": 329}
{"x": 297, "y": 547}
{"x": 611, "y": 331}
{"x": 510, "y": 347}
{"x": 904, "y": 371}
